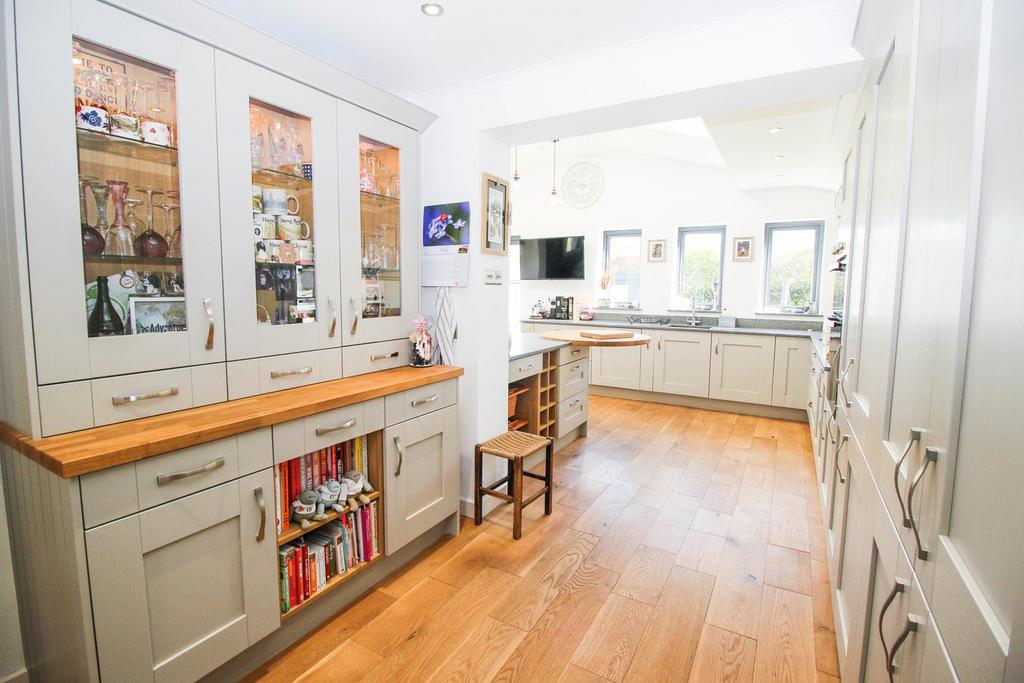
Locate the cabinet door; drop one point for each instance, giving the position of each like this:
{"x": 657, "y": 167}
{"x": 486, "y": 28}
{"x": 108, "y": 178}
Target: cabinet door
{"x": 183, "y": 587}
{"x": 379, "y": 190}
{"x": 421, "y": 461}
{"x": 682, "y": 363}
{"x": 742, "y": 367}
{"x": 616, "y": 367}
{"x": 92, "y": 197}
{"x": 891, "y": 591}
{"x": 789, "y": 379}
{"x": 277, "y": 142}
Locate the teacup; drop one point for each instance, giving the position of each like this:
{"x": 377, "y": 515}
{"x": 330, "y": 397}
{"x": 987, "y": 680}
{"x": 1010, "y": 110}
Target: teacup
{"x": 293, "y": 228}
{"x": 156, "y": 133}
{"x": 91, "y": 118}
{"x": 304, "y": 252}
{"x": 276, "y": 201}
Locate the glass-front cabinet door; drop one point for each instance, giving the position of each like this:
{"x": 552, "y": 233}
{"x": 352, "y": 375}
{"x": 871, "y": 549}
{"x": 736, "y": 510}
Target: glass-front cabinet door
{"x": 120, "y": 194}
{"x": 380, "y": 249}
{"x": 278, "y": 152}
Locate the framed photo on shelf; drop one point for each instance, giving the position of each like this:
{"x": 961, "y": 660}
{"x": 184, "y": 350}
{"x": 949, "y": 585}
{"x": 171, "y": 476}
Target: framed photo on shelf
{"x": 743, "y": 249}
{"x": 151, "y": 314}
{"x": 656, "y": 251}
{"x": 495, "y": 219}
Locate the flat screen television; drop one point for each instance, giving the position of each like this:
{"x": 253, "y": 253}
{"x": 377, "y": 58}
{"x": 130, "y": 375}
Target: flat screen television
{"x": 551, "y": 258}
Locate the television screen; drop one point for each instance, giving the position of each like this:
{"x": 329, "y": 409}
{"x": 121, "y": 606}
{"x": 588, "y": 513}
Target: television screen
{"x": 551, "y": 258}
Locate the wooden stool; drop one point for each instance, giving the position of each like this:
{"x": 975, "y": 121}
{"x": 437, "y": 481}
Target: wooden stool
{"x": 514, "y": 447}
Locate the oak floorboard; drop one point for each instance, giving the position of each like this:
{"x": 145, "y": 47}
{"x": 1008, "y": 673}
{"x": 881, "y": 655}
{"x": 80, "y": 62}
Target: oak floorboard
{"x": 701, "y": 552}
{"x": 581, "y": 494}
{"x": 471, "y": 559}
{"x": 645, "y": 575}
{"x": 826, "y": 654}
{"x": 574, "y": 674}
{"x": 608, "y": 645}
{"x": 712, "y": 522}
{"x": 391, "y": 627}
{"x": 789, "y": 522}
{"x": 788, "y": 568}
{"x": 606, "y": 508}
{"x": 481, "y": 654}
{"x": 723, "y": 657}
{"x": 617, "y": 545}
{"x": 756, "y": 488}
{"x": 785, "y": 642}
{"x": 349, "y": 655}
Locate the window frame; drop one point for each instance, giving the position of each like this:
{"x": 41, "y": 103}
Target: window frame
{"x": 819, "y": 238}
{"x": 605, "y": 242}
{"x": 677, "y": 295}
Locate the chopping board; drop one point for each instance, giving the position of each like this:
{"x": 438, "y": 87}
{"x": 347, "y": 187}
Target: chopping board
{"x": 605, "y": 334}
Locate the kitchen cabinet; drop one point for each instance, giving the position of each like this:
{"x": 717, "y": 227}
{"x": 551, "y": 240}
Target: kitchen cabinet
{"x": 616, "y": 367}
{"x": 281, "y": 277}
{"x": 421, "y": 468}
{"x": 789, "y": 378}
{"x": 742, "y": 367}
{"x": 682, "y": 362}
{"x": 181, "y": 588}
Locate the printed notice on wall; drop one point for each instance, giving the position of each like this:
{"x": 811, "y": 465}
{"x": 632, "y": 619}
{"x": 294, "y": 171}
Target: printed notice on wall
{"x": 444, "y": 259}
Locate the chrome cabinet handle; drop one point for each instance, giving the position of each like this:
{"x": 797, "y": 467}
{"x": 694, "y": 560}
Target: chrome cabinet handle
{"x": 914, "y": 623}
{"x": 842, "y": 381}
{"x": 165, "y": 479}
{"x": 659, "y": 345}
{"x": 528, "y": 367}
{"x": 422, "y": 401}
{"x": 277, "y": 374}
{"x": 401, "y": 456}
{"x": 843, "y": 438}
{"x": 208, "y": 304}
{"x": 355, "y": 313}
{"x": 898, "y": 587}
{"x": 716, "y": 348}
{"x": 258, "y": 493}
{"x": 384, "y": 356}
{"x": 135, "y": 398}
{"x": 334, "y": 317}
{"x": 575, "y": 367}
{"x": 930, "y": 455}
{"x": 576, "y": 352}
{"x": 915, "y": 436}
{"x": 351, "y": 422}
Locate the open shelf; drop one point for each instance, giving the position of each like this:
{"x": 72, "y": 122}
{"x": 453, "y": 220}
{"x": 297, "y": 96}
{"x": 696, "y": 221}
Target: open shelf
{"x": 98, "y": 141}
{"x": 282, "y": 179}
{"x": 332, "y": 583}
{"x": 142, "y": 261}
{"x": 298, "y": 531}
{"x": 373, "y": 196}
{"x": 517, "y": 424}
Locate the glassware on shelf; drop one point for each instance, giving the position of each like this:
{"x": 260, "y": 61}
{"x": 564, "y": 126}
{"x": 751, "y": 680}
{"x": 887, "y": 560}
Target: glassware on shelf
{"x": 158, "y": 121}
{"x": 120, "y": 240}
{"x": 150, "y": 243}
{"x": 124, "y": 118}
{"x": 92, "y": 239}
{"x": 104, "y": 320}
{"x": 92, "y": 94}
{"x": 100, "y": 194}
{"x": 171, "y": 229}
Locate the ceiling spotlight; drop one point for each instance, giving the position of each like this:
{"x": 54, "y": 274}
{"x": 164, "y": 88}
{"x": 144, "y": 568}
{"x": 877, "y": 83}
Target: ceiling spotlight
{"x": 773, "y": 130}
{"x": 779, "y": 177}
{"x": 432, "y": 9}
{"x": 778, "y": 157}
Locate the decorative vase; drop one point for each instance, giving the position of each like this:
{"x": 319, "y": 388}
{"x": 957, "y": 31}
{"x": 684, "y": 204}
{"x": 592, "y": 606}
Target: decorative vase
{"x": 104, "y": 320}
{"x": 422, "y": 345}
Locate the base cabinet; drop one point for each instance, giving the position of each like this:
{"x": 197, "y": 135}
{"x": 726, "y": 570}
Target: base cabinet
{"x": 682, "y": 363}
{"x": 616, "y": 367}
{"x": 789, "y": 380}
{"x": 742, "y": 367}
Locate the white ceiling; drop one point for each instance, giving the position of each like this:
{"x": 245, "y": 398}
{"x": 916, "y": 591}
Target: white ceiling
{"x": 393, "y": 45}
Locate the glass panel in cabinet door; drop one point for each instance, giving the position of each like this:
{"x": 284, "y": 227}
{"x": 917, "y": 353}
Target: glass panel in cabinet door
{"x": 129, "y": 193}
{"x": 380, "y": 228}
{"x": 282, "y": 205}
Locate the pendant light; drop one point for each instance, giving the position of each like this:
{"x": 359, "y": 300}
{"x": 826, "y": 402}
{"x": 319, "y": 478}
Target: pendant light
{"x": 554, "y": 167}
{"x": 515, "y": 174}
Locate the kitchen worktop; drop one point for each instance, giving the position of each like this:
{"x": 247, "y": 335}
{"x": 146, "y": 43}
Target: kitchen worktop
{"x": 822, "y": 348}
{"x": 771, "y": 331}
{"x": 527, "y": 343}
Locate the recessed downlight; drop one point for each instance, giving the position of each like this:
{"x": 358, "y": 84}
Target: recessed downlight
{"x": 775, "y": 130}
{"x": 778, "y": 157}
{"x": 432, "y": 9}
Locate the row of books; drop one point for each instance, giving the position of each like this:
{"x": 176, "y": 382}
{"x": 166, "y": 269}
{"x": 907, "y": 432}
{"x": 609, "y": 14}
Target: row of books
{"x": 306, "y": 472}
{"x": 306, "y": 564}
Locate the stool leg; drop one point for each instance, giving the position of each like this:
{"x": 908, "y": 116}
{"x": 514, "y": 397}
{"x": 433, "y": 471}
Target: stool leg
{"x": 517, "y": 501}
{"x": 478, "y": 497}
{"x": 549, "y": 454}
{"x": 511, "y": 489}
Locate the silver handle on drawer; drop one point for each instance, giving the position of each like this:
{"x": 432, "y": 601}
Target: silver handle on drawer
{"x": 384, "y": 356}
{"x": 915, "y": 436}
{"x": 524, "y": 369}
{"x": 258, "y": 493}
{"x": 208, "y": 304}
{"x": 575, "y": 367}
{"x": 576, "y": 352}
{"x": 164, "y": 479}
{"x": 355, "y": 313}
{"x": 133, "y": 398}
{"x": 277, "y": 374}
{"x": 659, "y": 345}
{"x": 421, "y": 401}
{"x": 898, "y": 587}
{"x": 843, "y": 438}
{"x": 334, "y": 317}
{"x": 914, "y": 623}
{"x": 347, "y": 424}
{"x": 401, "y": 456}
{"x": 930, "y": 455}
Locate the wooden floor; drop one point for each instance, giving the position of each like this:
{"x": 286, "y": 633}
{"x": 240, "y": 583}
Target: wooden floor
{"x": 685, "y": 545}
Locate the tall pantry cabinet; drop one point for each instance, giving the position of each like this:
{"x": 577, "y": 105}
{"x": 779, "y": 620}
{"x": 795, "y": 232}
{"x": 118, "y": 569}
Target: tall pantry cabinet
{"x": 921, "y": 536}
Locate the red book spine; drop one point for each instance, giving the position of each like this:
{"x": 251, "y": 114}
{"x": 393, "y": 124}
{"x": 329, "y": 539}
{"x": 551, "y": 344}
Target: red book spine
{"x": 294, "y": 481}
{"x": 293, "y": 580}
{"x": 367, "y": 547}
{"x": 324, "y": 474}
{"x": 316, "y": 470}
{"x": 283, "y": 512}
{"x": 305, "y": 572}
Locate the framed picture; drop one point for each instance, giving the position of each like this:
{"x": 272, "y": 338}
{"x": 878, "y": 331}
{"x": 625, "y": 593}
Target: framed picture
{"x": 495, "y": 216}
{"x": 656, "y": 251}
{"x": 157, "y": 314}
{"x": 742, "y": 248}
{"x": 446, "y": 224}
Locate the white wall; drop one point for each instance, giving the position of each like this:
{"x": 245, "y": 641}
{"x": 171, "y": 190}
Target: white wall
{"x": 660, "y": 195}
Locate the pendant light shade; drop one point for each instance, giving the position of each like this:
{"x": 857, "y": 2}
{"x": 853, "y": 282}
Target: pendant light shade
{"x": 515, "y": 173}
{"x": 554, "y": 167}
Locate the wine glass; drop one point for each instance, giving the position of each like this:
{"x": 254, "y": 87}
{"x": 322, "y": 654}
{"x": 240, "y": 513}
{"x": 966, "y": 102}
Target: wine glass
{"x": 92, "y": 240}
{"x": 100, "y": 194}
{"x": 151, "y": 244}
{"x": 132, "y": 221}
{"x": 173, "y": 233}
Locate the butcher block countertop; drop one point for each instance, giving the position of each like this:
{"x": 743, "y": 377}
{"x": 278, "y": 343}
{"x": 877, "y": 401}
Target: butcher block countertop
{"x": 91, "y": 450}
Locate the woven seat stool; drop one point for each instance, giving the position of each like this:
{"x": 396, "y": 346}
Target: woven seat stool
{"x": 513, "y": 447}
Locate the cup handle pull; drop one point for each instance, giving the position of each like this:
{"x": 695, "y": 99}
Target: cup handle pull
{"x": 334, "y": 317}
{"x": 401, "y": 456}
{"x": 898, "y": 587}
{"x": 914, "y": 623}
{"x": 208, "y": 304}
{"x": 930, "y": 455}
{"x": 258, "y": 493}
{"x": 915, "y": 436}
{"x": 355, "y": 313}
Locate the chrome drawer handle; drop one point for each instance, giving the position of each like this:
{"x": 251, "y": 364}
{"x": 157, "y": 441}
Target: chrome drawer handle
{"x": 348, "y": 424}
{"x": 528, "y": 367}
{"x": 384, "y": 356}
{"x": 914, "y": 623}
{"x": 334, "y": 317}
{"x": 355, "y": 313}
{"x": 258, "y": 493}
{"x": 842, "y": 382}
{"x": 208, "y": 303}
{"x": 930, "y": 455}
{"x": 576, "y": 352}
{"x": 898, "y": 587}
{"x": 843, "y": 438}
{"x": 575, "y": 367}
{"x": 165, "y": 479}
{"x": 915, "y": 436}
{"x": 421, "y": 401}
{"x": 277, "y": 374}
{"x": 401, "y": 456}
{"x": 134, "y": 398}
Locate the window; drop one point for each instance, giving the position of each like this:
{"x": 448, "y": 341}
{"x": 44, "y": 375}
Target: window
{"x": 623, "y": 250}
{"x": 701, "y": 253}
{"x": 792, "y": 266}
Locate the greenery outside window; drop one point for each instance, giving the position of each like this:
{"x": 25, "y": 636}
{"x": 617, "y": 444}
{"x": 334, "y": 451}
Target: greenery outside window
{"x": 623, "y": 251}
{"x": 792, "y": 273}
{"x": 701, "y": 257}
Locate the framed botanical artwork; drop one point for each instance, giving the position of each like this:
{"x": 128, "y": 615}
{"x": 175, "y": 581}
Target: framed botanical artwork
{"x": 495, "y": 219}
{"x": 743, "y": 249}
{"x": 656, "y": 251}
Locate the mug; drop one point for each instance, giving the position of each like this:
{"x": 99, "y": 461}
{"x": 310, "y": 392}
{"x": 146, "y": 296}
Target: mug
{"x": 257, "y": 199}
{"x": 264, "y": 226}
{"x": 273, "y": 248}
{"x": 304, "y": 252}
{"x": 293, "y": 228}
{"x": 275, "y": 201}
{"x": 91, "y": 118}
{"x": 156, "y": 133}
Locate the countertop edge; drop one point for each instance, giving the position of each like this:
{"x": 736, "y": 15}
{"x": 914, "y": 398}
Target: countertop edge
{"x": 818, "y": 344}
{"x": 769, "y": 331}
{"x": 547, "y": 345}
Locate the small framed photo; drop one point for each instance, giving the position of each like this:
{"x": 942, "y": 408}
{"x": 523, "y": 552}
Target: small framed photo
{"x": 157, "y": 314}
{"x": 743, "y": 249}
{"x": 496, "y": 215}
{"x": 656, "y": 251}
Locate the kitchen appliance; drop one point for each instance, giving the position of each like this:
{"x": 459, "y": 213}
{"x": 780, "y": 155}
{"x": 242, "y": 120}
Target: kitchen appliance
{"x": 562, "y": 308}
{"x": 551, "y": 258}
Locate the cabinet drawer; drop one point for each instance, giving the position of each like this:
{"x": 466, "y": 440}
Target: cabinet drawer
{"x": 420, "y": 401}
{"x": 573, "y": 378}
{"x": 359, "y": 360}
{"x": 572, "y": 412}
{"x": 308, "y": 434}
{"x": 568, "y": 354}
{"x": 274, "y": 373}
{"x": 525, "y": 367}
{"x": 129, "y": 397}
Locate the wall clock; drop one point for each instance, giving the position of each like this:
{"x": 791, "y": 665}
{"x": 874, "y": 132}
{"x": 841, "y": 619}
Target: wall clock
{"x": 582, "y": 184}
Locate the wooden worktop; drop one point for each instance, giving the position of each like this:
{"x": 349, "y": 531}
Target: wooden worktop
{"x": 91, "y": 450}
{"x": 574, "y": 337}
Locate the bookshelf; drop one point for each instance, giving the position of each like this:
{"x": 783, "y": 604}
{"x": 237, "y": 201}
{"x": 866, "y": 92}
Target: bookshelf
{"x": 330, "y": 585}
{"x": 297, "y": 531}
